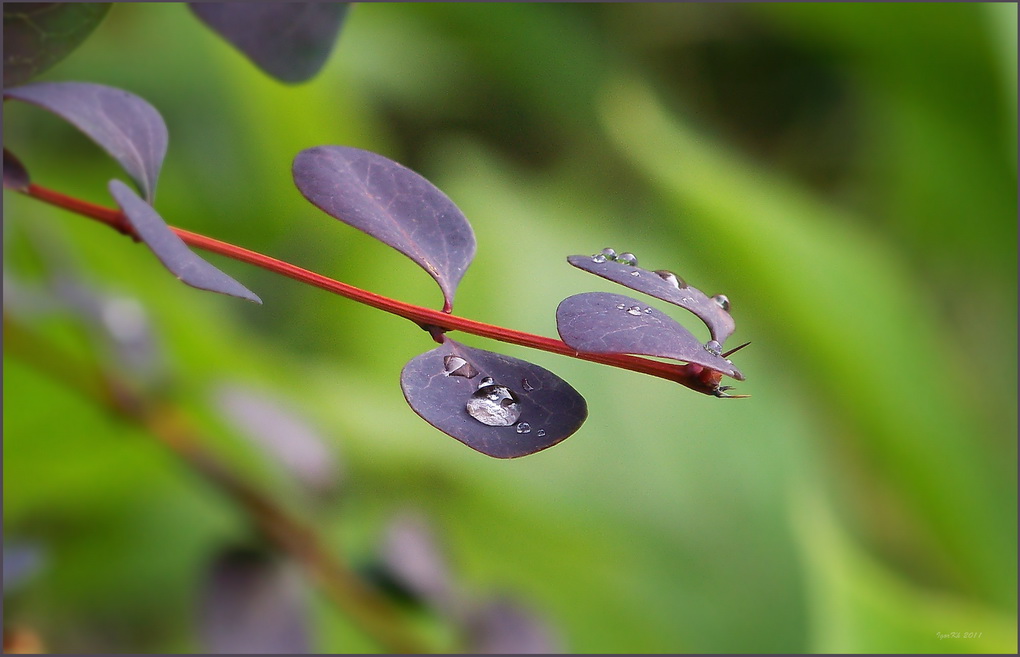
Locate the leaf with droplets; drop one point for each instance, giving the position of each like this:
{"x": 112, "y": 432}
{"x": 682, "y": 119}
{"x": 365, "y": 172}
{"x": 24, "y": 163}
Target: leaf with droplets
{"x": 522, "y": 410}
{"x": 170, "y": 249}
{"x": 662, "y": 285}
{"x": 37, "y": 35}
{"x": 15, "y": 174}
{"x": 290, "y": 41}
{"x": 391, "y": 203}
{"x": 253, "y": 603}
{"x": 124, "y": 125}
{"x": 603, "y": 323}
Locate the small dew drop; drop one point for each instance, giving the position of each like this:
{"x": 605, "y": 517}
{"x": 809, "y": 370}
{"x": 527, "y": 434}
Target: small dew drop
{"x": 713, "y": 347}
{"x": 635, "y": 273}
{"x": 457, "y": 366}
{"x": 634, "y": 310}
{"x": 527, "y": 385}
{"x": 609, "y": 253}
{"x": 671, "y": 278}
{"x": 494, "y": 405}
{"x": 723, "y": 302}
{"x": 621, "y": 306}
{"x": 627, "y": 258}
{"x": 648, "y": 311}
{"x": 523, "y": 427}
{"x": 598, "y": 258}
{"x": 540, "y": 433}
{"x": 486, "y": 381}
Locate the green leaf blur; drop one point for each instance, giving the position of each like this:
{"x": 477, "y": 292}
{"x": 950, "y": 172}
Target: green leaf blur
{"x": 845, "y": 173}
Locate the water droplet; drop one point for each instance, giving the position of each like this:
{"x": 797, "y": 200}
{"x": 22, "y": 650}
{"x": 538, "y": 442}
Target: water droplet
{"x": 598, "y": 258}
{"x": 621, "y": 306}
{"x": 648, "y": 311}
{"x": 635, "y": 273}
{"x": 627, "y": 258}
{"x": 634, "y": 310}
{"x": 713, "y": 347}
{"x": 671, "y": 278}
{"x": 609, "y": 253}
{"x": 523, "y": 427}
{"x": 457, "y": 366}
{"x": 494, "y": 405}
{"x": 723, "y": 302}
{"x": 527, "y": 385}
{"x": 540, "y": 433}
{"x": 486, "y": 381}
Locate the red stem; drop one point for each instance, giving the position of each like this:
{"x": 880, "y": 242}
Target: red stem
{"x": 686, "y": 375}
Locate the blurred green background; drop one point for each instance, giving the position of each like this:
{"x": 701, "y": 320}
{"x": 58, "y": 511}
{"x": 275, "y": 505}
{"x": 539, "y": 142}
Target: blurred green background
{"x": 845, "y": 173}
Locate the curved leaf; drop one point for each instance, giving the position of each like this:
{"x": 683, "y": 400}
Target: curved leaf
{"x": 285, "y": 436}
{"x": 253, "y": 603}
{"x": 37, "y": 35}
{"x": 601, "y": 323}
{"x": 391, "y": 203}
{"x": 718, "y": 320}
{"x": 121, "y": 123}
{"x": 15, "y": 174}
{"x": 171, "y": 251}
{"x": 288, "y": 40}
{"x": 503, "y": 626}
{"x": 535, "y": 408}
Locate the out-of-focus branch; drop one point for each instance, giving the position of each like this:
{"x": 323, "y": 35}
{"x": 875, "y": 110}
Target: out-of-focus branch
{"x": 369, "y": 610}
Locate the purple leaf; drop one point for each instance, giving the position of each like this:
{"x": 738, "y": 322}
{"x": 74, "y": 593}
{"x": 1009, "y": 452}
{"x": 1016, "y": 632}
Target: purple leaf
{"x": 171, "y": 251}
{"x": 285, "y": 436}
{"x": 391, "y": 203}
{"x": 124, "y": 125}
{"x": 15, "y": 174}
{"x": 603, "y": 323}
{"x": 522, "y": 410}
{"x": 37, "y": 35}
{"x": 253, "y": 603}
{"x": 410, "y": 557}
{"x": 662, "y": 285}
{"x": 502, "y": 626}
{"x": 288, "y": 40}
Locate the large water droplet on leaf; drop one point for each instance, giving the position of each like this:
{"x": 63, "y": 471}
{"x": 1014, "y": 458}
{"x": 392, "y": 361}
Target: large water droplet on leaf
{"x": 627, "y": 259}
{"x": 723, "y": 301}
{"x": 671, "y": 278}
{"x": 634, "y": 310}
{"x": 523, "y": 427}
{"x": 457, "y": 366}
{"x": 494, "y": 405}
{"x": 713, "y": 347}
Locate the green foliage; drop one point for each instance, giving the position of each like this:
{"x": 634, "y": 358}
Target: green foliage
{"x": 845, "y": 174}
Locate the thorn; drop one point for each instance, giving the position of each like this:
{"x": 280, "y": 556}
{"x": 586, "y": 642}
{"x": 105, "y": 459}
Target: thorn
{"x": 720, "y": 392}
{"x": 735, "y": 349}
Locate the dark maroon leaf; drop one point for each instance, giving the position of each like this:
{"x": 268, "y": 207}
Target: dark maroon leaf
{"x": 502, "y": 626}
{"x": 391, "y": 203}
{"x": 37, "y": 35}
{"x": 171, "y": 251}
{"x": 662, "y": 285}
{"x": 599, "y": 322}
{"x": 523, "y": 410}
{"x": 288, "y": 40}
{"x": 253, "y": 603}
{"x": 124, "y": 125}
{"x": 411, "y": 559}
{"x": 15, "y": 174}
{"x": 285, "y": 436}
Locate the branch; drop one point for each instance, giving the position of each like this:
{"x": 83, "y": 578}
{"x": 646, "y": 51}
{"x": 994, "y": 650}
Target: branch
{"x": 373, "y": 613}
{"x": 692, "y": 376}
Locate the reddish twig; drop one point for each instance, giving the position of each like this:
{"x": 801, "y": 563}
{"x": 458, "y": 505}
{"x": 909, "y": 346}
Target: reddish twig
{"x": 691, "y": 376}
